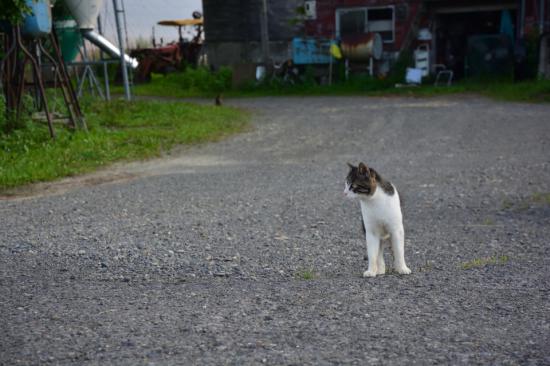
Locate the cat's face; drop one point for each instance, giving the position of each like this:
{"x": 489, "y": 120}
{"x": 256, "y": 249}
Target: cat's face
{"x": 359, "y": 182}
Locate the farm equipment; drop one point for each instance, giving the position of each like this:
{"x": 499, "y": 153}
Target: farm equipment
{"x": 172, "y": 57}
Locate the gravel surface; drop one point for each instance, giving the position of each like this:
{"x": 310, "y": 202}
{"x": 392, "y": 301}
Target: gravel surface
{"x": 246, "y": 252}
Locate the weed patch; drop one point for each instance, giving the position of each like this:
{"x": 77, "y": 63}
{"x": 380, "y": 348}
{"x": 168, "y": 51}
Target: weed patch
{"x": 541, "y": 198}
{"x": 482, "y": 262}
{"x": 199, "y": 82}
{"x": 117, "y": 131}
{"x": 306, "y": 275}
{"x": 488, "y": 222}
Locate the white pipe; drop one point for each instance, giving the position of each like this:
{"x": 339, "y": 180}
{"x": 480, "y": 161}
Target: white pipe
{"x": 107, "y": 46}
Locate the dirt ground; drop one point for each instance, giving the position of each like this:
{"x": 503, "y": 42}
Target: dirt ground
{"x": 246, "y": 252}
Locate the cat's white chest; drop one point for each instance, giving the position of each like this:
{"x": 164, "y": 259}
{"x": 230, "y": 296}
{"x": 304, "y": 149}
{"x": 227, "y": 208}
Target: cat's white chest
{"x": 381, "y": 213}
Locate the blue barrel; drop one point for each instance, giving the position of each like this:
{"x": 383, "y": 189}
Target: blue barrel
{"x": 39, "y": 22}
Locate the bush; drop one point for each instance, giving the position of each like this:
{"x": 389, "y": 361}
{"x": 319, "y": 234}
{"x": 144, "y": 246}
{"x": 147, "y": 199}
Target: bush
{"x": 8, "y": 122}
{"x": 191, "y": 82}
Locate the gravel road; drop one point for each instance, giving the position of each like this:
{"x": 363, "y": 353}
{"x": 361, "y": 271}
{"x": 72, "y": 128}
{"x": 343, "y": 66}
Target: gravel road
{"x": 246, "y": 252}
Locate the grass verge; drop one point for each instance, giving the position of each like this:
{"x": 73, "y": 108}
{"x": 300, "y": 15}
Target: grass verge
{"x": 203, "y": 83}
{"x": 198, "y": 82}
{"x": 117, "y": 131}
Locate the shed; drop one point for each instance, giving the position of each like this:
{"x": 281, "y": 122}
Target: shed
{"x": 451, "y": 29}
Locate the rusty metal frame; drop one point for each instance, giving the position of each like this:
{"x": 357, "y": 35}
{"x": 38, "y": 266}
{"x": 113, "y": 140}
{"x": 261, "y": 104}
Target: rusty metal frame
{"x": 12, "y": 72}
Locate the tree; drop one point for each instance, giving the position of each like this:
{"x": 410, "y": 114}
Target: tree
{"x": 13, "y": 11}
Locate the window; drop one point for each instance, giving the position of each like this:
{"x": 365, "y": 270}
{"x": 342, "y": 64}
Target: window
{"x": 365, "y": 20}
{"x": 352, "y": 22}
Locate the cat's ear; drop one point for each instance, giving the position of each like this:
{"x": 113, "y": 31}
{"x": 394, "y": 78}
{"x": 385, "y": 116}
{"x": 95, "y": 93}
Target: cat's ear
{"x": 363, "y": 170}
{"x": 350, "y": 166}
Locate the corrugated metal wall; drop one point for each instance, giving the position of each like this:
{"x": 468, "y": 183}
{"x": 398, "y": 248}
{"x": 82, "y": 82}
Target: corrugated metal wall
{"x": 239, "y": 20}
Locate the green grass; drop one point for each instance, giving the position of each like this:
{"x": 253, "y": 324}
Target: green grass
{"x": 428, "y": 266}
{"x": 117, "y": 131}
{"x": 176, "y": 85}
{"x": 488, "y": 222}
{"x": 535, "y": 199}
{"x": 203, "y": 83}
{"x": 306, "y": 275}
{"x": 541, "y": 198}
{"x": 482, "y": 262}
{"x": 198, "y": 82}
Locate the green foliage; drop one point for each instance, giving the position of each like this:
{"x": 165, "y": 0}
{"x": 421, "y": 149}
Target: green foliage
{"x": 117, "y": 131}
{"x": 192, "y": 82}
{"x": 541, "y": 198}
{"x": 532, "y": 43}
{"x": 60, "y": 10}
{"x": 8, "y": 122}
{"x": 14, "y": 11}
{"x": 204, "y": 83}
{"x": 399, "y": 69}
{"x": 306, "y": 275}
{"x": 488, "y": 222}
{"x": 482, "y": 262}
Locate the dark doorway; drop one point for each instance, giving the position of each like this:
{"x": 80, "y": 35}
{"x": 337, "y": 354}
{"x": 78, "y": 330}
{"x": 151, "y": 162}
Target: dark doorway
{"x": 454, "y": 30}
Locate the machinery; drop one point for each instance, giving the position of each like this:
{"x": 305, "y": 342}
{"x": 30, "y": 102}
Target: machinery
{"x": 85, "y": 13}
{"x": 173, "y": 56}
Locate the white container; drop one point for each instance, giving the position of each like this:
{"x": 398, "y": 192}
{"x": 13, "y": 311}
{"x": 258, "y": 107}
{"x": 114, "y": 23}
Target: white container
{"x": 422, "y": 59}
{"x": 260, "y": 73}
{"x": 413, "y": 76}
{"x": 85, "y": 12}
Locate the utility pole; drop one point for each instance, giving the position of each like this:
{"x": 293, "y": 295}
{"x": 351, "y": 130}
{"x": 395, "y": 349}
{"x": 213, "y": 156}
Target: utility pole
{"x": 117, "y": 11}
{"x": 264, "y": 33}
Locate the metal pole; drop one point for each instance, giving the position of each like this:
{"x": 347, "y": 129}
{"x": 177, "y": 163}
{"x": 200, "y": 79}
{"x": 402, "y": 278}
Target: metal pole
{"x": 541, "y": 17}
{"x": 122, "y": 49}
{"x": 521, "y": 18}
{"x": 264, "y": 32}
{"x": 106, "y": 80}
{"x": 100, "y": 31}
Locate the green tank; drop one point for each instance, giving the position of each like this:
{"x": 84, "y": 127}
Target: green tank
{"x": 70, "y": 38}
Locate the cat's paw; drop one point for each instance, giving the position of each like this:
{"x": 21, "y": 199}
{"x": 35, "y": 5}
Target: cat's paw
{"x": 369, "y": 274}
{"x": 381, "y": 270}
{"x": 403, "y": 270}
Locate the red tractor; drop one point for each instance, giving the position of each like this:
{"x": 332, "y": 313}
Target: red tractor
{"x": 169, "y": 58}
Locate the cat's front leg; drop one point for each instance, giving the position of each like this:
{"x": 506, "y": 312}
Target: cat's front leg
{"x": 373, "y": 247}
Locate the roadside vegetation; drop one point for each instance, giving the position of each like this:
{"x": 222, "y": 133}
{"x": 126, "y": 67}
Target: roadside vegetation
{"x": 204, "y": 83}
{"x": 117, "y": 131}
{"x": 144, "y": 129}
{"x": 483, "y": 262}
{"x": 306, "y": 275}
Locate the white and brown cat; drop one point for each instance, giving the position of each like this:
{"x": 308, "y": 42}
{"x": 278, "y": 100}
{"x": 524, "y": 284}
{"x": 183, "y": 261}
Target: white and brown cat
{"x": 382, "y": 218}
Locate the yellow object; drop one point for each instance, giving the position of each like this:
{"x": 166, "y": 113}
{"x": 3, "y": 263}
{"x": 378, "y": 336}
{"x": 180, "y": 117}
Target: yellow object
{"x": 181, "y": 22}
{"x": 335, "y": 51}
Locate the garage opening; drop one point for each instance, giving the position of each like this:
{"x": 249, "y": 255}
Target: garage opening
{"x": 475, "y": 42}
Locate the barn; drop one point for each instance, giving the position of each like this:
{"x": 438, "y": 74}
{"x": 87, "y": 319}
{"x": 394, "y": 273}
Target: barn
{"x": 468, "y": 37}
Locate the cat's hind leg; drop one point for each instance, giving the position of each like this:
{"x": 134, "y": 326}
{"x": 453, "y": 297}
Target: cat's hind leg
{"x": 373, "y": 247}
{"x": 381, "y": 265}
{"x": 398, "y": 248}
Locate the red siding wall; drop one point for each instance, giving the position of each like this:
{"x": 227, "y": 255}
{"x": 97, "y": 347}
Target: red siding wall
{"x": 324, "y": 25}
{"x": 533, "y": 16}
